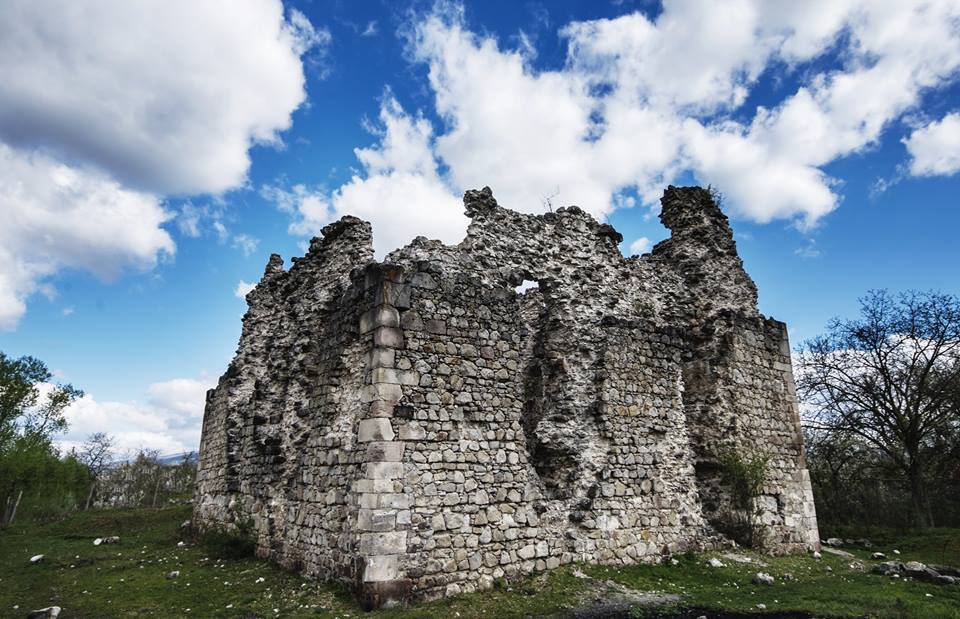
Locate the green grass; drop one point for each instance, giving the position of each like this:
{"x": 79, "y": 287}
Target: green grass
{"x": 129, "y": 579}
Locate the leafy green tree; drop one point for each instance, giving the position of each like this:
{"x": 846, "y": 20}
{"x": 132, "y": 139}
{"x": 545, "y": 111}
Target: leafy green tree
{"x": 31, "y": 405}
{"x": 32, "y": 411}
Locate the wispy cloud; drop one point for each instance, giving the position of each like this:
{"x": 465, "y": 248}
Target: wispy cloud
{"x": 640, "y": 246}
{"x": 243, "y": 289}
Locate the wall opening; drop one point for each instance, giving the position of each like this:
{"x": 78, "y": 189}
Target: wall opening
{"x": 527, "y": 284}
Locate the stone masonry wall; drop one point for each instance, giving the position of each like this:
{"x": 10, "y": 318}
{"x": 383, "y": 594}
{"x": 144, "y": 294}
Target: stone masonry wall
{"x": 418, "y": 427}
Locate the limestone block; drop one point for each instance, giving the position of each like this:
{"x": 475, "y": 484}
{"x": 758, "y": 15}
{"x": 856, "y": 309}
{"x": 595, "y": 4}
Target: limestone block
{"x": 380, "y": 316}
{"x": 412, "y": 321}
{"x": 382, "y": 357}
{"x": 382, "y": 408}
{"x": 395, "y": 501}
{"x": 387, "y": 543}
{"x": 408, "y": 377}
{"x": 376, "y": 519}
{"x": 384, "y": 375}
{"x": 384, "y": 470}
{"x": 412, "y": 432}
{"x": 381, "y": 391}
{"x": 385, "y": 451}
{"x": 455, "y": 521}
{"x": 381, "y": 568}
{"x": 378, "y": 429}
{"x": 393, "y": 293}
{"x": 388, "y": 337}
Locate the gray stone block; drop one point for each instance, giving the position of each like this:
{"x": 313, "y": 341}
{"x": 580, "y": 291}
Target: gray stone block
{"x": 389, "y": 543}
{"x": 378, "y": 429}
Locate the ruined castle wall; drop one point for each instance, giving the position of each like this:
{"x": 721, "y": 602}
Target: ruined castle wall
{"x": 279, "y": 449}
{"x": 419, "y": 428}
{"x": 740, "y": 399}
{"x": 478, "y": 496}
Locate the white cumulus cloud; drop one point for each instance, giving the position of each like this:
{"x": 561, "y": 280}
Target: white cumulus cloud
{"x": 168, "y": 95}
{"x": 57, "y": 216}
{"x": 641, "y": 101}
{"x": 108, "y": 107}
{"x": 935, "y": 148}
{"x": 640, "y": 246}
{"x": 400, "y": 190}
{"x": 168, "y": 419}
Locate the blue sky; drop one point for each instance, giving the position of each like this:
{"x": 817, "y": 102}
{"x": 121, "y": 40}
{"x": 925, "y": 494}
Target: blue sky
{"x": 153, "y": 156}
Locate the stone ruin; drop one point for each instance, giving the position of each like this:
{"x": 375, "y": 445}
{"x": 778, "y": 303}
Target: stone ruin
{"x": 422, "y": 426}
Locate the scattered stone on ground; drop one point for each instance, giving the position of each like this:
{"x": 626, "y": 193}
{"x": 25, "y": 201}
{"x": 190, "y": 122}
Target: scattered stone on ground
{"x": 877, "y": 556}
{"x": 174, "y": 574}
{"x": 817, "y": 555}
{"x": 840, "y": 553}
{"x": 50, "y": 612}
{"x": 739, "y": 558}
{"x": 715, "y": 562}
{"x": 945, "y": 576}
{"x": 762, "y": 578}
{"x": 36, "y": 558}
{"x": 832, "y": 541}
{"x": 945, "y": 569}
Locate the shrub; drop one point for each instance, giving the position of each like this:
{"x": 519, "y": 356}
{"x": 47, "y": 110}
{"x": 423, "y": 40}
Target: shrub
{"x": 744, "y": 475}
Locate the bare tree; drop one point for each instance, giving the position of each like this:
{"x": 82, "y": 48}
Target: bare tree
{"x": 547, "y": 200}
{"x": 97, "y": 454}
{"x": 892, "y": 378}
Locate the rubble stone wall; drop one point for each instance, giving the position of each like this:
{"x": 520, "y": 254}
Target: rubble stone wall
{"x": 422, "y": 426}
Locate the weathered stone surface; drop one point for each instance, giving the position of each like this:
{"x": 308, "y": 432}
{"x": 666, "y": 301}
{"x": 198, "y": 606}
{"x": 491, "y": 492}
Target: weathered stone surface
{"x": 381, "y": 568}
{"x": 419, "y": 428}
{"x": 377, "y": 429}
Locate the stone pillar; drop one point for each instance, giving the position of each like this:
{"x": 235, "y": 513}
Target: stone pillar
{"x": 383, "y": 518}
{"x": 803, "y": 517}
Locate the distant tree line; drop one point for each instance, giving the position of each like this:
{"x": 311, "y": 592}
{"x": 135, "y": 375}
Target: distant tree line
{"x": 38, "y": 482}
{"x": 881, "y": 394}
{"x": 147, "y": 481}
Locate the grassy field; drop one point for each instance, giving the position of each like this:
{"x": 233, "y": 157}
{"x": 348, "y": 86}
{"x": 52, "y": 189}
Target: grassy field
{"x": 129, "y": 579}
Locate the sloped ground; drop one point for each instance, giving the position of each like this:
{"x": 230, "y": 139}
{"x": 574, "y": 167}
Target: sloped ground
{"x": 129, "y": 579}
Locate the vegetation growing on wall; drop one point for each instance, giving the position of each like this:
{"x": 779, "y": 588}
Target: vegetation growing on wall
{"x": 744, "y": 473}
